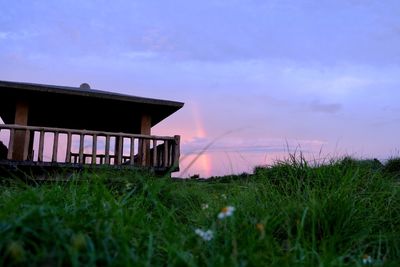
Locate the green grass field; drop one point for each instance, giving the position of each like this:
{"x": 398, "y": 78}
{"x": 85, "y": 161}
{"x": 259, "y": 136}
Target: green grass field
{"x": 346, "y": 213}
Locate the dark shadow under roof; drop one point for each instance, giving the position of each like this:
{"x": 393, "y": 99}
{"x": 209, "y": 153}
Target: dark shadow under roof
{"x": 74, "y": 107}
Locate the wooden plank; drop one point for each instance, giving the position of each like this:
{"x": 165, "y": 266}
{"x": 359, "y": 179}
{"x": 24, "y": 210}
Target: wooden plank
{"x": 11, "y": 144}
{"x": 165, "y": 161}
{"x": 94, "y": 149}
{"x": 69, "y": 144}
{"x": 132, "y": 151}
{"x": 81, "y": 148}
{"x": 155, "y": 153}
{"x": 107, "y": 150}
{"x": 41, "y": 146}
{"x": 55, "y": 147}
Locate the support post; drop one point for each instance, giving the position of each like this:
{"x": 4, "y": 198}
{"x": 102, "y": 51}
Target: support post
{"x": 144, "y": 146}
{"x": 21, "y": 140}
{"x": 107, "y": 151}
{"x": 118, "y": 150}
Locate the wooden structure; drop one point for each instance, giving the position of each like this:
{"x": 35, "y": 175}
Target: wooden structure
{"x": 49, "y": 126}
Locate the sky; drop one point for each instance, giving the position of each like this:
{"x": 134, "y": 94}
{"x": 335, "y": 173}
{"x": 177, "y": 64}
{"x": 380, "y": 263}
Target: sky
{"x": 260, "y": 78}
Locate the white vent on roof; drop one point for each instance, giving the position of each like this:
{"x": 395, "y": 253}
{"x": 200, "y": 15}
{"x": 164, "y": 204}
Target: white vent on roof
{"x": 85, "y": 86}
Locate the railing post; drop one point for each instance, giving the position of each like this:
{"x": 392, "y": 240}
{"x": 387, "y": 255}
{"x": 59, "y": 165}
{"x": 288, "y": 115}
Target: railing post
{"x": 119, "y": 140}
{"x": 177, "y": 151}
{"x": 69, "y": 144}
{"x": 155, "y": 153}
{"x": 55, "y": 147}
{"x": 41, "y": 146}
{"x": 165, "y": 161}
{"x": 81, "y": 147}
{"x": 145, "y": 152}
{"x": 132, "y": 151}
{"x": 11, "y": 145}
{"x": 94, "y": 149}
{"x": 107, "y": 150}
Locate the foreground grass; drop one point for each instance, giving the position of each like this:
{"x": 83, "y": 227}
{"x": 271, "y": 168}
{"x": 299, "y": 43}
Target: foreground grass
{"x": 346, "y": 213}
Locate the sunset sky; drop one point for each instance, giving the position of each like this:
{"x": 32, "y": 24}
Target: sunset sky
{"x": 259, "y": 78}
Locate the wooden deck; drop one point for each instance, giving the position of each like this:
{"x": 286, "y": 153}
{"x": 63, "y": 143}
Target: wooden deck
{"x": 31, "y": 147}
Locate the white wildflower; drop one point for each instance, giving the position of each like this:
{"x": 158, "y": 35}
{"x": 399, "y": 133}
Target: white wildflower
{"x": 204, "y": 206}
{"x": 366, "y": 259}
{"x": 226, "y": 212}
{"x": 205, "y": 235}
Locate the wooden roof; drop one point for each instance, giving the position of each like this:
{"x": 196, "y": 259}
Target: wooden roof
{"x": 78, "y": 108}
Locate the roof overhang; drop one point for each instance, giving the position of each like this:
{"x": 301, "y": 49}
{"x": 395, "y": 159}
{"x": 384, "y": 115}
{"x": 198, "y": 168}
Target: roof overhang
{"x": 77, "y": 108}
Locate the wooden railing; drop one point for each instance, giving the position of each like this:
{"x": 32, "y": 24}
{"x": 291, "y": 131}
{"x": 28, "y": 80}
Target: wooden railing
{"x": 129, "y": 149}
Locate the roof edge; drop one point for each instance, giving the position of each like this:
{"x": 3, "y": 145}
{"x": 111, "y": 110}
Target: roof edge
{"x": 88, "y": 93}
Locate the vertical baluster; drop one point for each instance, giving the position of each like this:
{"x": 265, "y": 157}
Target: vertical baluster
{"x": 140, "y": 151}
{"x": 165, "y": 161}
{"x": 107, "y": 150}
{"x": 132, "y": 152}
{"x": 145, "y": 144}
{"x": 27, "y": 134}
{"x": 41, "y": 146}
{"x": 69, "y": 144}
{"x": 81, "y": 147}
{"x": 11, "y": 145}
{"x": 155, "y": 153}
{"x": 94, "y": 149}
{"x": 55, "y": 147}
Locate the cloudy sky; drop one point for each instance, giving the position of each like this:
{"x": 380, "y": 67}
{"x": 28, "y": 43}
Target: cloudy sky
{"x": 259, "y": 78}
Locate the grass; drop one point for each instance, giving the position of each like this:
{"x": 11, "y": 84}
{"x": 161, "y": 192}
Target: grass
{"x": 289, "y": 214}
